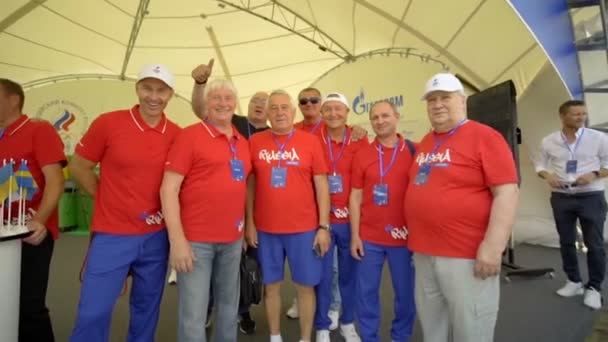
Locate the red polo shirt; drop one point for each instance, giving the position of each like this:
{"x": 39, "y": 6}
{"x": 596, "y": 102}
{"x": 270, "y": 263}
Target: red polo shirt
{"x": 315, "y": 128}
{"x": 212, "y": 203}
{"x": 449, "y": 214}
{"x": 383, "y": 225}
{"x": 343, "y": 163}
{"x": 292, "y": 209}
{"x": 131, "y": 156}
{"x": 37, "y": 142}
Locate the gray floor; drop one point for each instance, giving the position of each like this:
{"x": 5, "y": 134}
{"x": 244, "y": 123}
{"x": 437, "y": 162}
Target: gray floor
{"x": 530, "y": 311}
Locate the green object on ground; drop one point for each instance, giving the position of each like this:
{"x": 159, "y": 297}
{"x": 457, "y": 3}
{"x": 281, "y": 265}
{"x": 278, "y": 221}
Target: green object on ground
{"x": 67, "y": 211}
{"x": 84, "y": 211}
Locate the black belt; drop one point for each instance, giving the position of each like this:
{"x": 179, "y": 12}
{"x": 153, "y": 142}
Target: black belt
{"x": 578, "y": 194}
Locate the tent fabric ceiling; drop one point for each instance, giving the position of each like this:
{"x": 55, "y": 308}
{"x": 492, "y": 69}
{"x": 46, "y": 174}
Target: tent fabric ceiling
{"x": 264, "y": 44}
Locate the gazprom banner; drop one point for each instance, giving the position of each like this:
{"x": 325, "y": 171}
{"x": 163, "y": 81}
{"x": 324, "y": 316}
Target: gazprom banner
{"x": 362, "y": 105}
{"x": 549, "y": 22}
{"x": 396, "y": 79}
{"x": 71, "y": 106}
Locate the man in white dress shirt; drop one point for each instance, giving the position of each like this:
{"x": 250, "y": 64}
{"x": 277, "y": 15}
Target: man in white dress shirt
{"x": 573, "y": 160}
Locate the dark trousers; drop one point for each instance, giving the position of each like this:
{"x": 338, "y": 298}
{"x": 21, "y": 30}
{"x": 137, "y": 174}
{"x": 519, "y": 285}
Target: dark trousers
{"x": 590, "y": 210}
{"x": 34, "y": 319}
{"x": 243, "y": 308}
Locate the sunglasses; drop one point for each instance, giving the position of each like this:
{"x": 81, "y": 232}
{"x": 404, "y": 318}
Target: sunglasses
{"x": 305, "y": 100}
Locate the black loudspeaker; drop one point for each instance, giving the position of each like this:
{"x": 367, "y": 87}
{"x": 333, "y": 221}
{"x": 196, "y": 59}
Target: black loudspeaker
{"x": 497, "y": 108}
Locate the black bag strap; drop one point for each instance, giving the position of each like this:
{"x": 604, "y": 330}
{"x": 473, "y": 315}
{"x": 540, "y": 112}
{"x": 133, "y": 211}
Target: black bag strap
{"x": 410, "y": 146}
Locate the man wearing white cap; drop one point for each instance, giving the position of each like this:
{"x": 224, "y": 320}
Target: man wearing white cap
{"x": 460, "y": 207}
{"x": 129, "y": 236}
{"x": 339, "y": 149}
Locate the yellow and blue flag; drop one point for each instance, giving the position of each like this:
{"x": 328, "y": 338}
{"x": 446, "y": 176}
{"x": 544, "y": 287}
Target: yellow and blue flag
{"x": 7, "y": 181}
{"x": 24, "y": 179}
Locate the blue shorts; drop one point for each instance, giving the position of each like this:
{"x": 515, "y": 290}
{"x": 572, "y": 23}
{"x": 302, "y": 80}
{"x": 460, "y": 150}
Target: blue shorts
{"x": 304, "y": 264}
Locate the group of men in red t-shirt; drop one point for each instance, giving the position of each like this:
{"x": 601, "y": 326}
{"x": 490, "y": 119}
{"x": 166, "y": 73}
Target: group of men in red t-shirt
{"x": 443, "y": 207}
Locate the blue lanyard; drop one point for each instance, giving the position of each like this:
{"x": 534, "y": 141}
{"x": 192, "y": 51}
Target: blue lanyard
{"x": 438, "y": 142}
{"x": 334, "y": 162}
{"x": 576, "y": 142}
{"x": 248, "y": 129}
{"x": 232, "y": 144}
{"x": 281, "y": 147}
{"x": 2, "y": 131}
{"x": 383, "y": 171}
{"x": 314, "y": 129}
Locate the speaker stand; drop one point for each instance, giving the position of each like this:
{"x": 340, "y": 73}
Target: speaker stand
{"x": 514, "y": 270}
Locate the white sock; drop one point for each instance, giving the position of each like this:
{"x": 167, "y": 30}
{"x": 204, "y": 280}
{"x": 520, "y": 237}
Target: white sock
{"x": 276, "y": 338}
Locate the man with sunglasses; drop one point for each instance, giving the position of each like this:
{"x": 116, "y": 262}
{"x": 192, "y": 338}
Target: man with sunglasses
{"x": 309, "y": 101}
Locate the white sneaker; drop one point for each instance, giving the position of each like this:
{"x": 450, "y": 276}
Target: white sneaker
{"x": 593, "y": 298}
{"x": 349, "y": 333}
{"x": 293, "y": 312}
{"x": 276, "y": 338}
{"x": 334, "y": 316}
{"x": 172, "y": 277}
{"x": 571, "y": 289}
{"x": 322, "y": 336}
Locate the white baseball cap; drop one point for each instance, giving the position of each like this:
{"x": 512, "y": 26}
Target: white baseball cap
{"x": 158, "y": 71}
{"x": 335, "y": 97}
{"x": 443, "y": 82}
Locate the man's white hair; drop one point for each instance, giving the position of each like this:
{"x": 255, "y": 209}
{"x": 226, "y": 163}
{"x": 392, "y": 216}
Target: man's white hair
{"x": 280, "y": 92}
{"x": 220, "y": 83}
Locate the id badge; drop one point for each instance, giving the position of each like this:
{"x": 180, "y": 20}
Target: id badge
{"x": 423, "y": 174}
{"x": 278, "y": 178}
{"x": 381, "y": 195}
{"x": 236, "y": 169}
{"x": 335, "y": 184}
{"x": 571, "y": 166}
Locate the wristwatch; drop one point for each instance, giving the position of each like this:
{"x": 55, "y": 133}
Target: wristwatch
{"x": 325, "y": 227}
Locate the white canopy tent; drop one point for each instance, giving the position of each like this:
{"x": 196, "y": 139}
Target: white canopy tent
{"x": 260, "y": 44}
{"x": 289, "y": 44}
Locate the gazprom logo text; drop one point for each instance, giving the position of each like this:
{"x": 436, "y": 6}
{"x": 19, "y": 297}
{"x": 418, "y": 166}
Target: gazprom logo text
{"x": 363, "y": 106}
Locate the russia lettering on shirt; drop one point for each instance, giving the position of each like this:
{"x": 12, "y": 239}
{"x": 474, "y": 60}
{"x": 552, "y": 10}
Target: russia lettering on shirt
{"x": 272, "y": 155}
{"x": 437, "y": 159}
{"x": 293, "y": 208}
{"x": 448, "y": 215}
